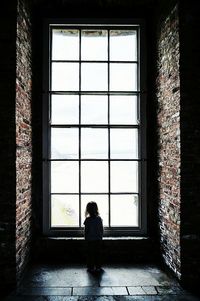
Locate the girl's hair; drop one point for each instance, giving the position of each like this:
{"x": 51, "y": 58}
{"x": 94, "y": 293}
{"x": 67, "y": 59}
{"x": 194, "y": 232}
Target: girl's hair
{"x": 91, "y": 209}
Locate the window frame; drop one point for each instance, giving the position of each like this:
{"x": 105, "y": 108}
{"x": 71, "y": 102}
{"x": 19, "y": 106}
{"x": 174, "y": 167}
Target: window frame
{"x": 141, "y": 93}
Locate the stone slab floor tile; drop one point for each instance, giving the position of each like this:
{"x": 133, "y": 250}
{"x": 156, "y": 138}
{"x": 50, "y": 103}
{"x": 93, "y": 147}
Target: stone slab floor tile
{"x": 96, "y": 298}
{"x": 45, "y": 291}
{"x": 81, "y": 291}
{"x": 149, "y": 290}
{"x": 135, "y": 290}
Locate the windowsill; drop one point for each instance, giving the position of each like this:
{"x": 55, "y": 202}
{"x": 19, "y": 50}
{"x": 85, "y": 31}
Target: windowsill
{"x": 104, "y": 238}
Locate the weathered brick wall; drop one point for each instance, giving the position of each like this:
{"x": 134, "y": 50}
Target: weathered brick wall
{"x": 7, "y": 143}
{"x": 23, "y": 137}
{"x": 190, "y": 141}
{"x": 168, "y": 118}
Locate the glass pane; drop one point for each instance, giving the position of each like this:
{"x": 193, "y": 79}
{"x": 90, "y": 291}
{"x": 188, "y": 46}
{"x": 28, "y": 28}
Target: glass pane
{"x": 102, "y": 203}
{"x": 94, "y": 143}
{"x": 64, "y": 177}
{"x": 124, "y": 210}
{"x": 124, "y": 176}
{"x": 65, "y": 44}
{"x": 123, "y": 110}
{"x": 94, "y": 77}
{"x": 64, "y": 143}
{"x": 94, "y": 45}
{"x": 65, "y": 76}
{"x": 123, "y": 77}
{"x": 64, "y": 109}
{"x": 94, "y": 176}
{"x": 124, "y": 143}
{"x": 94, "y": 109}
{"x": 123, "y": 45}
{"x": 64, "y": 210}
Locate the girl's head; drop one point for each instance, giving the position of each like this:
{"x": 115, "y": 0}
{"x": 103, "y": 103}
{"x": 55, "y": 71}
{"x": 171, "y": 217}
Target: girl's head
{"x": 91, "y": 209}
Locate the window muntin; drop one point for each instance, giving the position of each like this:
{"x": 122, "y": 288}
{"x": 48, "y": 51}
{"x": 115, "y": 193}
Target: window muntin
{"x": 94, "y": 126}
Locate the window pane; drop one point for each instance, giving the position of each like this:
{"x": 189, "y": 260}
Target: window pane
{"x": 102, "y": 203}
{"x": 123, "y": 77}
{"x": 65, "y": 44}
{"x": 124, "y": 176}
{"x": 94, "y": 77}
{"x": 64, "y": 143}
{"x": 94, "y": 109}
{"x": 123, "y": 110}
{"x": 94, "y": 143}
{"x": 64, "y": 109}
{"x": 64, "y": 177}
{"x": 64, "y": 211}
{"x": 65, "y": 76}
{"x": 124, "y": 143}
{"x": 94, "y": 176}
{"x": 123, "y": 45}
{"x": 124, "y": 210}
{"x": 94, "y": 45}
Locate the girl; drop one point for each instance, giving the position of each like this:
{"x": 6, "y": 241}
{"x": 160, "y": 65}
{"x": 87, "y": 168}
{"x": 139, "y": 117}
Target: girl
{"x": 93, "y": 236}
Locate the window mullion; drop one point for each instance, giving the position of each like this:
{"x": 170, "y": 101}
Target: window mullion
{"x": 79, "y": 128}
{"x": 109, "y": 180}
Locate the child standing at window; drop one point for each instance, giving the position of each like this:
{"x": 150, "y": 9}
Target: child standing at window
{"x": 93, "y": 236}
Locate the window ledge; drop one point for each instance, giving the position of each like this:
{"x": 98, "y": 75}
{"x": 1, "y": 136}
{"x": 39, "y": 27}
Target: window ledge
{"x": 105, "y": 238}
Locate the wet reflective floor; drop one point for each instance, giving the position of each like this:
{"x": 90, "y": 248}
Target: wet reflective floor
{"x": 113, "y": 283}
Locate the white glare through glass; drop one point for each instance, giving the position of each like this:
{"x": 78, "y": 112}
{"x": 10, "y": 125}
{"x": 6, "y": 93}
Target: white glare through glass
{"x": 94, "y": 45}
{"x": 124, "y": 210}
{"x": 123, "y": 110}
{"x": 65, "y": 76}
{"x": 94, "y": 143}
{"x": 94, "y": 109}
{"x": 102, "y": 203}
{"x": 94, "y": 176}
{"x": 64, "y": 210}
{"x": 124, "y": 176}
{"x": 64, "y": 143}
{"x": 65, "y": 44}
{"x": 123, "y": 77}
{"x": 94, "y": 77}
{"x": 64, "y": 109}
{"x": 64, "y": 177}
{"x": 124, "y": 143}
{"x": 123, "y": 45}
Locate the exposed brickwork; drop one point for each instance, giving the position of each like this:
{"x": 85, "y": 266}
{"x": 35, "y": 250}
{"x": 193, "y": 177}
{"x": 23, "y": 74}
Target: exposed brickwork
{"x": 168, "y": 97}
{"x": 7, "y": 143}
{"x": 190, "y": 141}
{"x": 23, "y": 138}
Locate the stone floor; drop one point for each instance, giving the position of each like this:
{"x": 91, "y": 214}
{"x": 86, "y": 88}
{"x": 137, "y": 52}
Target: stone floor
{"x": 114, "y": 283}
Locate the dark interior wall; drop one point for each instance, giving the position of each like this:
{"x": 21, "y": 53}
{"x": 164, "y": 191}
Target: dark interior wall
{"x": 23, "y": 117}
{"x": 190, "y": 141}
{"x": 15, "y": 135}
{"x": 8, "y": 15}
{"x": 168, "y": 129}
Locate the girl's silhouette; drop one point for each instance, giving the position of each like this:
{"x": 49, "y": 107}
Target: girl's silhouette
{"x": 93, "y": 236}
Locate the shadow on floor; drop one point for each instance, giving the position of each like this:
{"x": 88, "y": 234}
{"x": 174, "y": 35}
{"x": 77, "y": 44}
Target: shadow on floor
{"x": 61, "y": 282}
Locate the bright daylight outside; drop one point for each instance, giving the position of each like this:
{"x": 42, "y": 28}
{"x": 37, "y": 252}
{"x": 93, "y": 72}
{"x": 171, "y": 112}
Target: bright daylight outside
{"x": 94, "y": 125}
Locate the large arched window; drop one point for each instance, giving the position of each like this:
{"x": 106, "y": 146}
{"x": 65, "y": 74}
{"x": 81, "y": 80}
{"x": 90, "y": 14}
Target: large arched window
{"x": 94, "y": 132}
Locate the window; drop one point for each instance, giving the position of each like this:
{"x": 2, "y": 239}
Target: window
{"x": 94, "y": 132}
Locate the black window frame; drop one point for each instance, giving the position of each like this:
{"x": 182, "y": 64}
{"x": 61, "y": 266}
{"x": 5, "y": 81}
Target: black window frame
{"x": 141, "y": 94}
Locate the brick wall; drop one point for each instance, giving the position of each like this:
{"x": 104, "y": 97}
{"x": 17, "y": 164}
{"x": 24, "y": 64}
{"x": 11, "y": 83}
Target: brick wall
{"x": 168, "y": 118}
{"x": 7, "y": 142}
{"x": 190, "y": 141}
{"x": 23, "y": 137}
